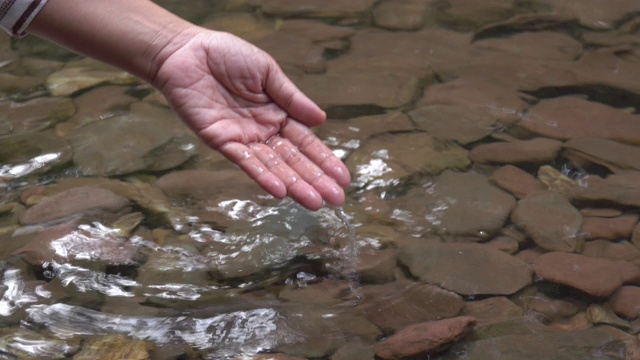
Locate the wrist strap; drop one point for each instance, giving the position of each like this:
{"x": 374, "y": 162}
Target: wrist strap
{"x": 16, "y": 15}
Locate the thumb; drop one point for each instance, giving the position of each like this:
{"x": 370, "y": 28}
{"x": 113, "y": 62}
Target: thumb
{"x": 284, "y": 93}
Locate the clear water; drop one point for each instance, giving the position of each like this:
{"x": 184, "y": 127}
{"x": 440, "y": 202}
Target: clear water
{"x": 182, "y": 257}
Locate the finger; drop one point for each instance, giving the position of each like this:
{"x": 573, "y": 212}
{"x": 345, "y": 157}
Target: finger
{"x": 311, "y": 146}
{"x": 284, "y": 93}
{"x": 309, "y": 171}
{"x": 256, "y": 169}
{"x": 295, "y": 184}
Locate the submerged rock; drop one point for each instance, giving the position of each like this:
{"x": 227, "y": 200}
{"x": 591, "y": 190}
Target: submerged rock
{"x": 613, "y": 155}
{"x": 115, "y": 347}
{"x": 550, "y": 220}
{"x": 596, "y": 277}
{"x": 311, "y": 8}
{"x": 34, "y": 115}
{"x": 467, "y": 269}
{"x": 626, "y": 302}
{"x": 424, "y": 339}
{"x": 463, "y": 124}
{"x": 32, "y": 154}
{"x": 516, "y": 181}
{"x": 400, "y": 14}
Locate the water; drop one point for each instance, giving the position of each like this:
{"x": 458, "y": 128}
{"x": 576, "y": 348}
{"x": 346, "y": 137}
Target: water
{"x": 484, "y": 138}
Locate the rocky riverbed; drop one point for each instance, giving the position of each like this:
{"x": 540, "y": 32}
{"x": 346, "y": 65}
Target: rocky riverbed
{"x": 494, "y": 148}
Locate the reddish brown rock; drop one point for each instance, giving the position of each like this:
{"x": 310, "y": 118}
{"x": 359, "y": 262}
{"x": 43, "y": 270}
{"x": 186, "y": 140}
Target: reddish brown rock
{"x": 535, "y": 151}
{"x": 611, "y": 154}
{"x": 596, "y": 277}
{"x": 400, "y": 14}
{"x": 516, "y": 181}
{"x": 550, "y": 220}
{"x": 625, "y": 302}
{"x": 74, "y": 201}
{"x": 425, "y": 338}
{"x": 615, "y": 228}
{"x": 572, "y": 117}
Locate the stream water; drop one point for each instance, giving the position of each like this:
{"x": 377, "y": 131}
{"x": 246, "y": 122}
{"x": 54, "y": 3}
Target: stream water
{"x": 493, "y": 147}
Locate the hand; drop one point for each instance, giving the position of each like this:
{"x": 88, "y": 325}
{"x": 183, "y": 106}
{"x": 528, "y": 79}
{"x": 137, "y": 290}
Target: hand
{"x": 238, "y": 100}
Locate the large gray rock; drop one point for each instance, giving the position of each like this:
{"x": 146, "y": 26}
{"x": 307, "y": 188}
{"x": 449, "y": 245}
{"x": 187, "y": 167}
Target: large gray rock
{"x": 550, "y": 220}
{"x": 467, "y": 269}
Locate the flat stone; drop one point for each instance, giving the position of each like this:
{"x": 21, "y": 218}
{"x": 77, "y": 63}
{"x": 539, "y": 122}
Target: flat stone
{"x": 614, "y": 228}
{"x": 626, "y": 302}
{"x": 544, "y": 45}
{"x": 536, "y": 151}
{"x": 463, "y": 124}
{"x": 467, "y": 269}
{"x": 73, "y": 79}
{"x": 101, "y": 102}
{"x": 395, "y": 305}
{"x": 376, "y": 266}
{"x": 400, "y": 14}
{"x": 504, "y": 103}
{"x": 244, "y": 25}
{"x": 613, "y": 155}
{"x": 621, "y": 189}
{"x": 315, "y": 30}
{"x": 516, "y": 181}
{"x": 596, "y": 277}
{"x": 354, "y": 350}
{"x": 73, "y": 201}
{"x": 458, "y": 205}
{"x": 328, "y": 292}
{"x": 606, "y": 249}
{"x": 311, "y": 8}
{"x": 552, "y": 310}
{"x": 34, "y": 115}
{"x": 425, "y": 338}
{"x": 31, "y": 154}
{"x": 294, "y": 50}
{"x": 597, "y": 14}
{"x": 113, "y": 347}
{"x": 402, "y": 156}
{"x": 161, "y": 142}
{"x": 492, "y": 310}
{"x": 550, "y": 220}
{"x": 572, "y": 117}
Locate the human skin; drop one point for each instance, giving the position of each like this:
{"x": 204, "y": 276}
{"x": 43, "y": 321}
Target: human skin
{"x": 233, "y": 95}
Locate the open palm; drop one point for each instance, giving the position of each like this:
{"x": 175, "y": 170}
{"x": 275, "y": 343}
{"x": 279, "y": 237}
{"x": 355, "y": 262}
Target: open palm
{"x": 237, "y": 99}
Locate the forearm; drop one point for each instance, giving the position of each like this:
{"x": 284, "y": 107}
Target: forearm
{"x": 134, "y": 35}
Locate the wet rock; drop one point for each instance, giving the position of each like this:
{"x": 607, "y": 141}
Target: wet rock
{"x": 174, "y": 263}
{"x": 516, "y": 181}
{"x": 506, "y": 244}
{"x": 621, "y": 189}
{"x": 388, "y": 159}
{"x": 69, "y": 242}
{"x": 572, "y": 117}
{"x": 328, "y": 292}
{"x": 72, "y": 202}
{"x": 467, "y": 269}
{"x": 354, "y": 350}
{"x": 601, "y": 212}
{"x": 295, "y": 50}
{"x": 539, "y": 150}
{"x": 400, "y": 15}
{"x": 425, "y": 338}
{"x": 32, "y": 154}
{"x": 503, "y": 103}
{"x": 552, "y": 310}
{"x": 114, "y": 347}
{"x": 311, "y": 8}
{"x": 597, "y": 315}
{"x": 320, "y": 332}
{"x": 396, "y": 305}
{"x": 544, "y": 45}
{"x": 597, "y": 14}
{"x": 244, "y": 25}
{"x": 467, "y": 14}
{"x": 270, "y": 356}
{"x": 376, "y": 266}
{"x": 491, "y": 310}
{"x": 462, "y": 124}
{"x": 556, "y": 181}
{"x": 34, "y": 115}
{"x": 596, "y": 277}
{"x": 545, "y": 344}
{"x": 610, "y": 66}
{"x": 314, "y": 30}
{"x": 21, "y": 343}
{"x": 73, "y": 79}
{"x": 104, "y": 101}
{"x": 458, "y": 205}
{"x": 193, "y": 187}
{"x": 613, "y": 155}
{"x": 609, "y": 228}
{"x": 626, "y": 302}
{"x": 360, "y": 85}
{"x": 13, "y": 84}
{"x": 550, "y": 220}
{"x": 620, "y": 250}
{"x": 105, "y": 147}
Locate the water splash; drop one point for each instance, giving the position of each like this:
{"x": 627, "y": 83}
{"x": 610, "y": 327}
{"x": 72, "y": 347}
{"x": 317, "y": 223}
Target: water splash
{"x": 349, "y": 253}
